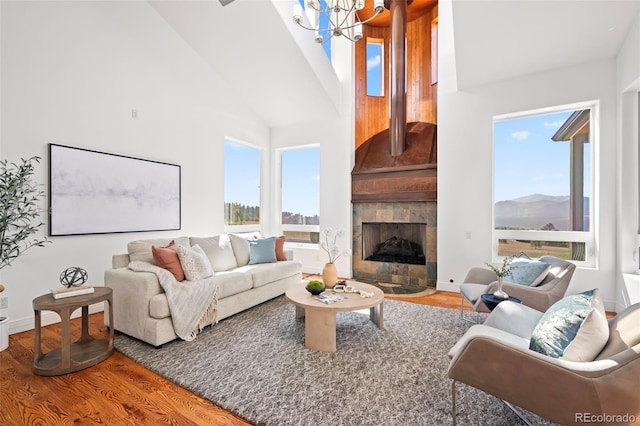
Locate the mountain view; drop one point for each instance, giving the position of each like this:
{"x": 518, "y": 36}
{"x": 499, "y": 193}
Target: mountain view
{"x": 536, "y": 211}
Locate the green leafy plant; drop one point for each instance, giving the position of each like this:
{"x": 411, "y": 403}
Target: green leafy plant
{"x": 19, "y": 210}
{"x": 504, "y": 270}
{"x": 315, "y": 285}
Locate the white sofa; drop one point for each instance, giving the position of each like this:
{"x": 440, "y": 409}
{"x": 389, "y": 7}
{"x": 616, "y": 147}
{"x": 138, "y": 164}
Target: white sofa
{"x": 140, "y": 306}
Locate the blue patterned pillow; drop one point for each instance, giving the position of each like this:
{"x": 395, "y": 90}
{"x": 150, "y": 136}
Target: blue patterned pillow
{"x": 262, "y": 250}
{"x": 574, "y": 328}
{"x": 528, "y": 272}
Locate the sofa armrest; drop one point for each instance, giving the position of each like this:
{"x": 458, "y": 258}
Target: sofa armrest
{"x": 132, "y": 293}
{"x": 119, "y": 261}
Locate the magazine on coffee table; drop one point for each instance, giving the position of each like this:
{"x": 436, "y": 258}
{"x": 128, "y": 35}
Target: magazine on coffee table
{"x": 330, "y": 298}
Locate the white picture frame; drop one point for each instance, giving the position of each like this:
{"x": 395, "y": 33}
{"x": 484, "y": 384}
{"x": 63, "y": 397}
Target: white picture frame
{"x": 93, "y": 192}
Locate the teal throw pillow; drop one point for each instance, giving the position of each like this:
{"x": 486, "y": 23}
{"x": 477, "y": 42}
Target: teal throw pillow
{"x": 574, "y": 328}
{"x": 528, "y": 272}
{"x": 262, "y": 250}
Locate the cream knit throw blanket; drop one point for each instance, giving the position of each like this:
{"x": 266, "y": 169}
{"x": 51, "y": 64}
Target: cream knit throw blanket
{"x": 193, "y": 304}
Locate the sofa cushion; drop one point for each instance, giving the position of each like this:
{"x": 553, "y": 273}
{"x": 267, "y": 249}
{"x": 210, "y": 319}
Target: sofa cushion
{"x": 167, "y": 258}
{"x": 262, "y": 250}
{"x": 140, "y": 250}
{"x": 218, "y": 250}
{"x": 194, "y": 262}
{"x": 232, "y": 282}
{"x": 574, "y": 328}
{"x": 528, "y": 272}
{"x": 265, "y": 273}
{"x": 240, "y": 244}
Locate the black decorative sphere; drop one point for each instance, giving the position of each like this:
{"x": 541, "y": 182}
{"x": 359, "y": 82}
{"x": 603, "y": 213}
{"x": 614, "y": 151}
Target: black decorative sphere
{"x": 73, "y": 277}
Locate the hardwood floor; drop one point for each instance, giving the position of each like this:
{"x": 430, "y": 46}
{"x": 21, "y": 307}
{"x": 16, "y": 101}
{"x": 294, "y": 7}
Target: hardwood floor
{"x": 117, "y": 391}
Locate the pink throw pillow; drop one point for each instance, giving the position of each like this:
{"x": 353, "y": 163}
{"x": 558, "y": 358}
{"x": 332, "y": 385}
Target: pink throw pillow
{"x": 280, "y": 248}
{"x": 167, "y": 258}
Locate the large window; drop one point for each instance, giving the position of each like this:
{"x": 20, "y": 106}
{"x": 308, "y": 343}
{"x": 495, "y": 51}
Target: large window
{"x": 543, "y": 183}
{"x": 241, "y": 185}
{"x": 300, "y": 195}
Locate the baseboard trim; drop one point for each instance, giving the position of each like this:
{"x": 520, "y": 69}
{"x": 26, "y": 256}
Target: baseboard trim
{"x": 447, "y": 286}
{"x": 47, "y": 318}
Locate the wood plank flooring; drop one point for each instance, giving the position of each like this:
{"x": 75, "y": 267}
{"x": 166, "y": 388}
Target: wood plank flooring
{"x": 117, "y": 391}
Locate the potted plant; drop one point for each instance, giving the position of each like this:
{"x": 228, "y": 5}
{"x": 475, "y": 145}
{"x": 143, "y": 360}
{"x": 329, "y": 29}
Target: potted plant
{"x": 19, "y": 210}
{"x": 501, "y": 272}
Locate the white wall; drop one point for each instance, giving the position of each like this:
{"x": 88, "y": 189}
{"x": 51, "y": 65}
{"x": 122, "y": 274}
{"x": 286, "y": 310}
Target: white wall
{"x": 71, "y": 74}
{"x": 627, "y": 88}
{"x": 465, "y": 155}
{"x": 335, "y": 135}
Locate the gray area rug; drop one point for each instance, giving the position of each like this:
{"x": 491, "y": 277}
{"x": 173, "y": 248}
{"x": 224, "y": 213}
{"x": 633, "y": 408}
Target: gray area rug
{"x": 255, "y": 365}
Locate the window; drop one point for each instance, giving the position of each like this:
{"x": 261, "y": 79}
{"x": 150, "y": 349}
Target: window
{"x": 543, "y": 183}
{"x": 375, "y": 69}
{"x": 321, "y": 22}
{"x": 241, "y": 185}
{"x": 300, "y": 194}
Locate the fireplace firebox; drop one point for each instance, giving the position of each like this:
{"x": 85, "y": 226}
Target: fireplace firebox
{"x": 394, "y": 242}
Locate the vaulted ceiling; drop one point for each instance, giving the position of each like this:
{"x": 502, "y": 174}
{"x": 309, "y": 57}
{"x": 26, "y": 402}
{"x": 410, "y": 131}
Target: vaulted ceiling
{"x": 499, "y": 40}
{"x": 277, "y": 69}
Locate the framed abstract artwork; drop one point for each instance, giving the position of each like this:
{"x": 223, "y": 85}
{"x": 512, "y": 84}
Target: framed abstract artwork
{"x": 93, "y": 192}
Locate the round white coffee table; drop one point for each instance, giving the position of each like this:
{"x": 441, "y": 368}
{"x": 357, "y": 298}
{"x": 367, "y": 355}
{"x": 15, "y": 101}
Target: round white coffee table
{"x": 320, "y": 321}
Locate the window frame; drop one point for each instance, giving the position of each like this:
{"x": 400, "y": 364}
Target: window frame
{"x": 590, "y": 237}
{"x": 290, "y": 227}
{"x": 249, "y": 227}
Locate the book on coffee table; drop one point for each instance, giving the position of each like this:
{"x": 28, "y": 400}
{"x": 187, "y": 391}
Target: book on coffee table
{"x": 330, "y": 298}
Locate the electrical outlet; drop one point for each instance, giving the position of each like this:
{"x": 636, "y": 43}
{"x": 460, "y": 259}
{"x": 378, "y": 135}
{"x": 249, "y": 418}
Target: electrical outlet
{"x": 4, "y": 302}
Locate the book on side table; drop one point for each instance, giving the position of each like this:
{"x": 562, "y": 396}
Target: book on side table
{"x": 59, "y": 293}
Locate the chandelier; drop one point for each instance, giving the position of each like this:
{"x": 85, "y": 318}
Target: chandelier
{"x": 331, "y": 18}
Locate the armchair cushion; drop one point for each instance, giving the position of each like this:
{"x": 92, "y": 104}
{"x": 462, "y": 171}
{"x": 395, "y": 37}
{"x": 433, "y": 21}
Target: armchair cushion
{"x": 528, "y": 272}
{"x": 574, "y": 328}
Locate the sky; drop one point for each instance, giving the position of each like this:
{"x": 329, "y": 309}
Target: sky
{"x": 300, "y": 180}
{"x": 528, "y": 162}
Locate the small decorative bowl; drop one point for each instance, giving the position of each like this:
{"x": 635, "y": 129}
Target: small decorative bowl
{"x": 314, "y": 291}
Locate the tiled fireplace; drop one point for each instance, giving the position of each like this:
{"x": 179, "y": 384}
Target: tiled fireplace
{"x": 407, "y": 227}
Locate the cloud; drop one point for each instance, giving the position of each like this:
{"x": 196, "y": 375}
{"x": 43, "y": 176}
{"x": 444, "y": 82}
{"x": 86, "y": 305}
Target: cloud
{"x": 520, "y": 135}
{"x": 373, "y": 62}
{"x": 553, "y": 124}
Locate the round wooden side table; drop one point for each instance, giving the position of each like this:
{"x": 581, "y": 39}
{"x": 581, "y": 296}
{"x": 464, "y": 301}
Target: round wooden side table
{"x": 84, "y": 352}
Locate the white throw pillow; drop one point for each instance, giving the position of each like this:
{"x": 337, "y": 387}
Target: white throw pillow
{"x": 194, "y": 262}
{"x": 574, "y": 328}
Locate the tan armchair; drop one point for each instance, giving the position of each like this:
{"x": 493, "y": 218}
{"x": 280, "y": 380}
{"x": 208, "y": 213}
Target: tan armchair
{"x": 480, "y": 281}
{"x": 495, "y": 358}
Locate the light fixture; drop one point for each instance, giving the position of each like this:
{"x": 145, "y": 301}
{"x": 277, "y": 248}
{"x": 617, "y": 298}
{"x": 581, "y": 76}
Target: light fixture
{"x": 341, "y": 17}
